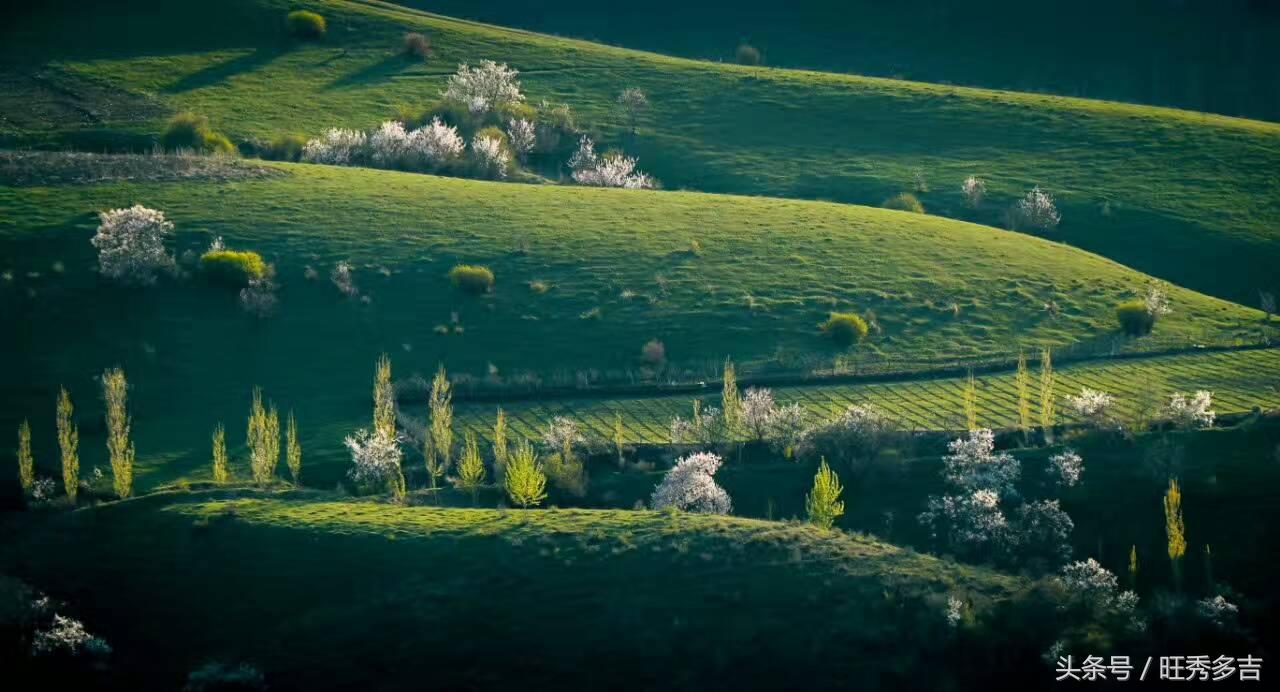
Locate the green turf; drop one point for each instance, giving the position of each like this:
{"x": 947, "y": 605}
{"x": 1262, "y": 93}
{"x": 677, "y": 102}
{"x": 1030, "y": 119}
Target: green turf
{"x": 475, "y": 598}
{"x": 1240, "y": 382}
{"x": 767, "y": 272}
{"x": 1186, "y": 196}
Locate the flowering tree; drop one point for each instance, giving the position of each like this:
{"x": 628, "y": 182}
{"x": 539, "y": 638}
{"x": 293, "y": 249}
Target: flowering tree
{"x": 375, "y": 460}
{"x": 1095, "y": 407}
{"x": 1038, "y": 210}
{"x": 785, "y": 427}
{"x": 1097, "y": 587}
{"x": 1194, "y": 411}
{"x": 974, "y": 189}
{"x": 485, "y": 87}
{"x": 757, "y": 410}
{"x": 130, "y": 244}
{"x": 337, "y": 147}
{"x": 388, "y": 144}
{"x": 1065, "y": 468}
{"x": 971, "y": 523}
{"x": 973, "y": 464}
{"x": 855, "y": 435}
{"x": 690, "y": 486}
{"x": 1042, "y": 533}
{"x": 1156, "y": 300}
{"x": 67, "y": 635}
{"x": 617, "y": 170}
{"x": 491, "y": 156}
{"x": 562, "y": 435}
{"x": 342, "y": 278}
{"x": 1219, "y": 611}
{"x": 522, "y": 135}
{"x": 632, "y": 102}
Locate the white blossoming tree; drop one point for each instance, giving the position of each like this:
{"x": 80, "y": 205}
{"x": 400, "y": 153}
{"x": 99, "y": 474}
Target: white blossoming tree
{"x": 485, "y": 87}
{"x": 973, "y": 189}
{"x": 337, "y": 146}
{"x": 690, "y": 486}
{"x": 616, "y": 170}
{"x": 1066, "y": 468}
{"x": 785, "y": 426}
{"x": 130, "y": 244}
{"x": 375, "y": 461}
{"x": 1093, "y": 406}
{"x": 69, "y": 636}
{"x": 1156, "y": 300}
{"x": 973, "y": 464}
{"x": 491, "y": 157}
{"x": 436, "y": 142}
{"x": 854, "y": 438}
{"x": 522, "y": 136}
{"x": 757, "y": 410}
{"x": 1037, "y": 210}
{"x": 1191, "y": 411}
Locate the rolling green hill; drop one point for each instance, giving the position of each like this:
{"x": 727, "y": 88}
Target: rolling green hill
{"x": 621, "y": 267}
{"x": 1213, "y": 57}
{"x": 1185, "y": 196}
{"x": 320, "y": 592}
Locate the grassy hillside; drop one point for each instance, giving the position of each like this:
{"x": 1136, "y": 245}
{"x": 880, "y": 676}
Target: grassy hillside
{"x": 1239, "y": 381}
{"x": 620, "y": 266}
{"x": 1213, "y": 57}
{"x": 1189, "y": 197}
{"x": 325, "y": 593}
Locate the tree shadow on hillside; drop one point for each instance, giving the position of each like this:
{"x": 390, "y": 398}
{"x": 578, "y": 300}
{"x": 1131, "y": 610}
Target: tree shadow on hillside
{"x": 222, "y": 71}
{"x": 373, "y": 73}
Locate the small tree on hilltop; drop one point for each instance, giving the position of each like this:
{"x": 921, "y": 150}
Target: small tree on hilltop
{"x": 1037, "y": 210}
{"x": 220, "y": 471}
{"x": 823, "y": 502}
{"x": 130, "y": 244}
{"x": 632, "y": 102}
{"x": 690, "y": 486}
{"x": 439, "y": 446}
{"x": 470, "y": 466}
{"x": 119, "y": 448}
{"x": 68, "y": 445}
{"x": 485, "y": 87}
{"x": 26, "y": 463}
{"x": 376, "y": 462}
{"x": 293, "y": 450}
{"x": 525, "y": 482}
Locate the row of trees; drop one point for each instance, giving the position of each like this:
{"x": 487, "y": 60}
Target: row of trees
{"x": 120, "y": 448}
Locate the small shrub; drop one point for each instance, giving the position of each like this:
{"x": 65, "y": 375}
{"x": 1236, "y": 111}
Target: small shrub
{"x": 904, "y": 202}
{"x": 654, "y": 353}
{"x": 1134, "y": 318}
{"x": 233, "y": 267}
{"x": 305, "y": 24}
{"x": 747, "y": 54}
{"x": 190, "y": 131}
{"x": 845, "y": 328}
{"x": 417, "y": 45}
{"x": 471, "y": 278}
{"x": 285, "y": 148}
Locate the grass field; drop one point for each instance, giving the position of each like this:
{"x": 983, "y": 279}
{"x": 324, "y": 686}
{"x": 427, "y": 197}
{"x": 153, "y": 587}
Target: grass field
{"x": 1240, "y": 381}
{"x": 939, "y": 288}
{"x": 285, "y": 581}
{"x": 1176, "y": 194}
{"x": 1199, "y": 56}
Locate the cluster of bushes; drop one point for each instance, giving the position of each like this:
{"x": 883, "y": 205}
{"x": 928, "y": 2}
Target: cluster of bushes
{"x": 188, "y": 131}
{"x": 471, "y": 278}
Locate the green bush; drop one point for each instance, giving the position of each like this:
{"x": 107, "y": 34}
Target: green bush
{"x": 845, "y": 328}
{"x": 494, "y": 133}
{"x": 285, "y": 148}
{"x": 904, "y": 202}
{"x": 190, "y": 131}
{"x": 513, "y": 110}
{"x": 233, "y": 267}
{"x": 471, "y": 278}
{"x": 1134, "y": 318}
{"x": 305, "y": 24}
{"x": 747, "y": 54}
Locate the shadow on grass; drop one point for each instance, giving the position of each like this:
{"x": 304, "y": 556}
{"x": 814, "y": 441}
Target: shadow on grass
{"x": 373, "y": 73}
{"x": 222, "y": 71}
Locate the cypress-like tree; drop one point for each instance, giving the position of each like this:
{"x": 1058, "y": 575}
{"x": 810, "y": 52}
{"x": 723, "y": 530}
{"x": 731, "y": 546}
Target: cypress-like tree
{"x": 1133, "y": 567}
{"x": 1046, "y": 394}
{"x": 525, "y": 483}
{"x": 293, "y": 450}
{"x": 26, "y": 463}
{"x": 439, "y": 445}
{"x": 730, "y": 399}
{"x": 384, "y": 398}
{"x": 1175, "y": 529}
{"x": 1022, "y": 382}
{"x": 220, "y": 469}
{"x": 618, "y": 438}
{"x": 120, "y": 448}
{"x": 971, "y": 403}
{"x": 68, "y": 444}
{"x": 823, "y": 502}
{"x": 470, "y": 466}
{"x": 501, "y": 449}
{"x": 263, "y": 437}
